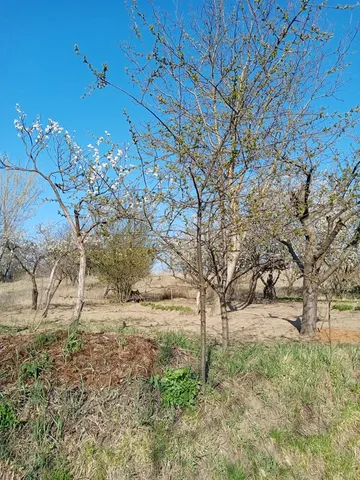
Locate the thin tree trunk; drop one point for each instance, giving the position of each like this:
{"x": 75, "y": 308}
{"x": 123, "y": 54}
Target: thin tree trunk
{"x": 35, "y": 293}
{"x": 51, "y": 296}
{"x": 310, "y": 300}
{"x": 81, "y": 287}
{"x": 50, "y": 284}
{"x": 224, "y": 320}
{"x": 252, "y": 290}
{"x": 202, "y": 289}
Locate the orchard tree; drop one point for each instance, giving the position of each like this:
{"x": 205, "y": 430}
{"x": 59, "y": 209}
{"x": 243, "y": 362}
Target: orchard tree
{"x": 321, "y": 227}
{"x": 19, "y": 197}
{"x": 61, "y": 258}
{"x": 78, "y": 178}
{"x": 29, "y": 255}
{"x": 216, "y": 88}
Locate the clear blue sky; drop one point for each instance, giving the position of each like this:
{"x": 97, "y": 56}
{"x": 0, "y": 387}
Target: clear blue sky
{"x": 40, "y": 71}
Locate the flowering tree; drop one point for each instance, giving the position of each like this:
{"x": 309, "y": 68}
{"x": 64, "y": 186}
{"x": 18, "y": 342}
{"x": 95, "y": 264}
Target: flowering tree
{"x": 79, "y": 179}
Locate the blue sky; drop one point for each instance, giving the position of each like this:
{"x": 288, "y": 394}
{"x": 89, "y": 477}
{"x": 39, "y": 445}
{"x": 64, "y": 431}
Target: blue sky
{"x": 41, "y": 72}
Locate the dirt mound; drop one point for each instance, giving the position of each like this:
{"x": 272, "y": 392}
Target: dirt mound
{"x": 102, "y": 360}
{"x": 338, "y": 335}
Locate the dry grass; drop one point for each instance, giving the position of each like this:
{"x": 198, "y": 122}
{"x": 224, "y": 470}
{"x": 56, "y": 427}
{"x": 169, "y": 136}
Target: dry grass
{"x": 281, "y": 411}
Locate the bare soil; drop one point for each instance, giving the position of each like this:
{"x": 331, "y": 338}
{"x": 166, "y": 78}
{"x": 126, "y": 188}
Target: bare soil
{"x": 258, "y": 322}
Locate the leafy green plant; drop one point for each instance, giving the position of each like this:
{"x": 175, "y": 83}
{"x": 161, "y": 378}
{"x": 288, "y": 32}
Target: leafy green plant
{"x": 178, "y": 387}
{"x": 8, "y": 417}
{"x": 169, "y": 308}
{"x": 73, "y": 343}
{"x": 34, "y": 367}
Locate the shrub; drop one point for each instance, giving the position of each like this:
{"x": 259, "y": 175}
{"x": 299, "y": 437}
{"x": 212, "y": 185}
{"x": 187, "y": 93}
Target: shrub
{"x": 178, "y": 387}
{"x": 123, "y": 258}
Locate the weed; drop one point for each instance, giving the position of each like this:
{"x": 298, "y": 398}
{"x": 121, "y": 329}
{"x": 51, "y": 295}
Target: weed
{"x": 73, "y": 343}
{"x": 167, "y": 341}
{"x": 178, "y": 387}
{"x": 46, "y": 466}
{"x": 234, "y": 471}
{"x": 34, "y": 367}
{"x": 8, "y": 417}
{"x": 44, "y": 339}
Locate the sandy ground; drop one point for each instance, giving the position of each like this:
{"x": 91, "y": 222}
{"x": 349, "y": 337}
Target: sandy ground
{"x": 257, "y": 322}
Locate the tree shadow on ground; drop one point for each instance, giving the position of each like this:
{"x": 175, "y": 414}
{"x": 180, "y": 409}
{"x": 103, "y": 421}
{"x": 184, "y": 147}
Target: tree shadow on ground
{"x": 295, "y": 323}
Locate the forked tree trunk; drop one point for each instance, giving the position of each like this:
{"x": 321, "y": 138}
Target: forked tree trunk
{"x": 81, "y": 287}
{"x": 310, "y": 301}
{"x": 35, "y": 293}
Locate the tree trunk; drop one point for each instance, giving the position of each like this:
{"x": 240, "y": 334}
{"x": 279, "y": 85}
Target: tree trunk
{"x": 224, "y": 320}
{"x": 310, "y": 299}
{"x": 81, "y": 287}
{"x": 52, "y": 292}
{"x": 252, "y": 290}
{"x": 35, "y": 293}
{"x": 50, "y": 286}
{"x": 202, "y": 290}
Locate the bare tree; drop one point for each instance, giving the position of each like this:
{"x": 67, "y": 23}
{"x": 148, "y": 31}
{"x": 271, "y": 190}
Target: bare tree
{"x": 323, "y": 210}
{"x": 29, "y": 255}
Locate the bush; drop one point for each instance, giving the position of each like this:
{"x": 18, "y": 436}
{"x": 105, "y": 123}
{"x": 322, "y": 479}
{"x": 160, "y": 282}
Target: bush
{"x": 122, "y": 259}
{"x": 178, "y": 387}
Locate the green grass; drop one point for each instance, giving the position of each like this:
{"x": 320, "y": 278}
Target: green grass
{"x": 280, "y": 411}
{"x": 167, "y": 341}
{"x": 168, "y": 308}
{"x": 11, "y": 329}
{"x": 289, "y": 299}
{"x": 345, "y": 306}
{"x": 46, "y": 338}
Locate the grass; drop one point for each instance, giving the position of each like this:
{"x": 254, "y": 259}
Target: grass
{"x": 345, "y": 307}
{"x": 281, "y": 411}
{"x": 289, "y": 299}
{"x": 11, "y": 329}
{"x": 169, "y": 308}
